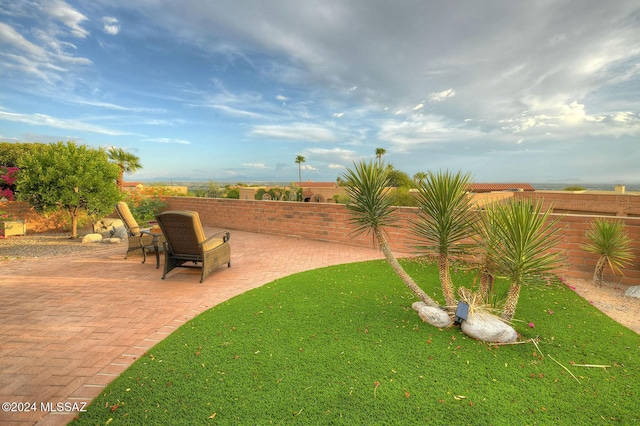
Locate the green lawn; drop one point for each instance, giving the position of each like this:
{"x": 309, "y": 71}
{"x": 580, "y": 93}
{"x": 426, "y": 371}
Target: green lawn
{"x": 341, "y": 345}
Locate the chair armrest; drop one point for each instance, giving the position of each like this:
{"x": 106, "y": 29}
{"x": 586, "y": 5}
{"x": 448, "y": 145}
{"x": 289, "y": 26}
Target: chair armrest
{"x": 215, "y": 240}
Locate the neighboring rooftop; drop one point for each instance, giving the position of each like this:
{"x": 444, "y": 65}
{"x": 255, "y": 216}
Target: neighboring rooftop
{"x": 493, "y": 187}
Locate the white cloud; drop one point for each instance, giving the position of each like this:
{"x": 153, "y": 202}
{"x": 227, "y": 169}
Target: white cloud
{"x": 168, "y": 141}
{"x": 255, "y": 165}
{"x": 111, "y": 25}
{"x": 304, "y": 132}
{"x": 66, "y": 14}
{"x": 60, "y": 123}
{"x": 441, "y": 96}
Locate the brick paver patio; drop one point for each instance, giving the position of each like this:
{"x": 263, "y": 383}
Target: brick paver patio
{"x": 68, "y": 326}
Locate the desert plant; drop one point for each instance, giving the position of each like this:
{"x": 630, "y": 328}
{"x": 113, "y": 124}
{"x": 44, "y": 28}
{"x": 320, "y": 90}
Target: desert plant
{"x": 372, "y": 210}
{"x": 445, "y": 222}
{"x": 522, "y": 238}
{"x": 608, "y": 239}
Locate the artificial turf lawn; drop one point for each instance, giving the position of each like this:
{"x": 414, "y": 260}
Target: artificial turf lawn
{"x": 341, "y": 345}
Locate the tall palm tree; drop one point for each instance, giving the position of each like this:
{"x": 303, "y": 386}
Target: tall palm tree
{"x": 299, "y": 160}
{"x": 608, "y": 239}
{"x": 125, "y": 160}
{"x": 444, "y": 221}
{"x": 379, "y": 153}
{"x": 372, "y": 210}
{"x": 522, "y": 249}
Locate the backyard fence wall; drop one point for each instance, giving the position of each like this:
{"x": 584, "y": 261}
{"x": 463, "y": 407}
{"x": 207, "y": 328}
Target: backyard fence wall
{"x": 331, "y": 222}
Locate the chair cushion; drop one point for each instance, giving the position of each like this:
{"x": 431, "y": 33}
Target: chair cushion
{"x": 125, "y": 214}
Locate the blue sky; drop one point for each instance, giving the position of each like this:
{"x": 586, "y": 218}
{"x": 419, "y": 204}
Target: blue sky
{"x": 538, "y": 91}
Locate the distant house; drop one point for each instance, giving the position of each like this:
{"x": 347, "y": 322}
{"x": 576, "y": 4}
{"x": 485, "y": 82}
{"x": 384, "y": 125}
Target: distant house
{"x": 320, "y": 192}
{"x": 130, "y": 186}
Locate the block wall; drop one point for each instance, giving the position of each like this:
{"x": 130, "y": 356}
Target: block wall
{"x": 331, "y": 222}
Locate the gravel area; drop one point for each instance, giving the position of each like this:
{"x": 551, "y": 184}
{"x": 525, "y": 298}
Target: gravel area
{"x": 48, "y": 244}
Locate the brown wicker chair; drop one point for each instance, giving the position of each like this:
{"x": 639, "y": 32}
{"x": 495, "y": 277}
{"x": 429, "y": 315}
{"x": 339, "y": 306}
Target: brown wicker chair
{"x": 137, "y": 239}
{"x": 185, "y": 242}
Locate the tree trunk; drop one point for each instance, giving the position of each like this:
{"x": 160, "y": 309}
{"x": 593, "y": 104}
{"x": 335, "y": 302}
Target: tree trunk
{"x": 445, "y": 282}
{"x": 598, "y": 274}
{"x": 512, "y": 301}
{"x": 120, "y": 180}
{"x": 397, "y": 268}
{"x": 486, "y": 283}
{"x": 74, "y": 223}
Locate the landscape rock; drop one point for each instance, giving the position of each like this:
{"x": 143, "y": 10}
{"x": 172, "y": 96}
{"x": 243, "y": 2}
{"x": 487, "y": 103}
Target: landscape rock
{"x": 92, "y": 238}
{"x": 633, "y": 291}
{"x": 111, "y": 240}
{"x": 434, "y": 316}
{"x": 110, "y": 227}
{"x": 488, "y": 328}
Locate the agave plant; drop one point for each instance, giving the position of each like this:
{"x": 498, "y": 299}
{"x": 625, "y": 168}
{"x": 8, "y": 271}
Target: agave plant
{"x": 608, "y": 239}
{"x": 445, "y": 222}
{"x": 372, "y": 210}
{"x": 522, "y": 238}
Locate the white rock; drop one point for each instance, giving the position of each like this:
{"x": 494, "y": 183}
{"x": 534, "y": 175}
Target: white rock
{"x": 111, "y": 240}
{"x": 434, "y": 316}
{"x": 92, "y": 238}
{"x": 488, "y": 328}
{"x": 633, "y": 291}
{"x": 417, "y": 305}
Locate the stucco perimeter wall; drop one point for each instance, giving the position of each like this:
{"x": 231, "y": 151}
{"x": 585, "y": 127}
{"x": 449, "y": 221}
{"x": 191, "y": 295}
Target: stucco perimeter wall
{"x": 331, "y": 222}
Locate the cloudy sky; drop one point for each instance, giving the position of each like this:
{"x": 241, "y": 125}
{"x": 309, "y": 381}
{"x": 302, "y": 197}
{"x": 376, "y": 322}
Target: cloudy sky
{"x": 538, "y": 91}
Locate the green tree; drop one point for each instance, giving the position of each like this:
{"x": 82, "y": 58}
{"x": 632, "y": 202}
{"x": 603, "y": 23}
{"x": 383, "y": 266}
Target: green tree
{"x": 299, "y": 160}
{"x": 126, "y": 162}
{"x": 608, "y": 239}
{"x": 72, "y": 177}
{"x": 419, "y": 177}
{"x": 10, "y": 152}
{"x": 371, "y": 209}
{"x": 379, "y": 153}
{"x": 445, "y": 221}
{"x": 521, "y": 239}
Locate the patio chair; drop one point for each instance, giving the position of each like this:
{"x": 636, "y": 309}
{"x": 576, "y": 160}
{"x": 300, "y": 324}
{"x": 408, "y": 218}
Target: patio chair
{"x": 186, "y": 243}
{"x": 137, "y": 239}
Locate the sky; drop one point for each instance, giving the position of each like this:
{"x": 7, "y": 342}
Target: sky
{"x": 235, "y": 90}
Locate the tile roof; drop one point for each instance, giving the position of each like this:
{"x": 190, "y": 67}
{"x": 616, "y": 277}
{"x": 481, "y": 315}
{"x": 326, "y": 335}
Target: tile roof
{"x": 490, "y": 187}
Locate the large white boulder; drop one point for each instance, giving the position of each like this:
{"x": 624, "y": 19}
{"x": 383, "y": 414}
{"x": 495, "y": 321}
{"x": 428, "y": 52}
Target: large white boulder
{"x": 488, "y": 328}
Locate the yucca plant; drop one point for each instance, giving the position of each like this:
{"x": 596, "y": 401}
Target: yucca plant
{"x": 445, "y": 221}
{"x": 372, "y": 210}
{"x": 608, "y": 239}
{"x": 522, "y": 238}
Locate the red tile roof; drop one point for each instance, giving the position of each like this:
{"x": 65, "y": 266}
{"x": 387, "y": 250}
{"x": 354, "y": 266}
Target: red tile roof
{"x": 491, "y": 187}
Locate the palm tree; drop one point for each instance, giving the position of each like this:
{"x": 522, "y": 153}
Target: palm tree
{"x": 372, "y": 210}
{"x": 419, "y": 177}
{"x": 445, "y": 221}
{"x": 522, "y": 241}
{"x": 608, "y": 239}
{"x": 299, "y": 160}
{"x": 125, "y": 160}
{"x": 379, "y": 153}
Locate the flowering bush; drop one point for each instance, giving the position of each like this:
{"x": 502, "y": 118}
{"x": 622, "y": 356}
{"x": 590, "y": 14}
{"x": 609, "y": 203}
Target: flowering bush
{"x": 5, "y": 216}
{"x": 8, "y": 178}
{"x": 145, "y": 203}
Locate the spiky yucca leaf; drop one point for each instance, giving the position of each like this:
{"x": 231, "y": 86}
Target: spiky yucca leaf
{"x": 608, "y": 239}
{"x": 522, "y": 238}
{"x": 372, "y": 210}
{"x": 444, "y": 221}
